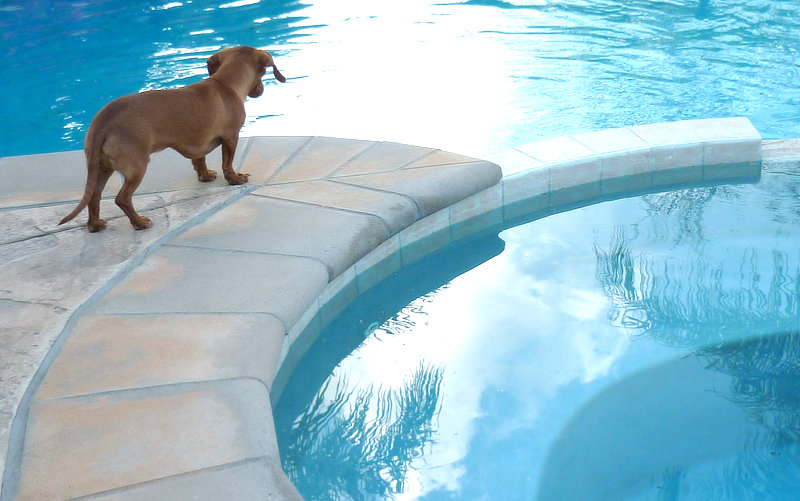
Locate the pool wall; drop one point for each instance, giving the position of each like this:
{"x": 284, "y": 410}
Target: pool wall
{"x": 156, "y": 353}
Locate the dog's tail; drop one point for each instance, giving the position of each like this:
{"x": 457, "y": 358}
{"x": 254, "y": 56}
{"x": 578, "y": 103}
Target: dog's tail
{"x": 92, "y": 166}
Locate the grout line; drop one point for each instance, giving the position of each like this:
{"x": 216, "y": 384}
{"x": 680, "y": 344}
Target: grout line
{"x": 351, "y": 159}
{"x": 343, "y": 164}
{"x": 418, "y": 209}
{"x": 239, "y": 251}
{"x": 146, "y": 314}
{"x": 421, "y": 158}
{"x": 248, "y": 142}
{"x": 155, "y": 390}
{"x": 586, "y": 146}
{"x": 529, "y": 156}
{"x": 330, "y": 207}
{"x": 289, "y": 159}
{"x": 242, "y": 251}
{"x": 155, "y": 481}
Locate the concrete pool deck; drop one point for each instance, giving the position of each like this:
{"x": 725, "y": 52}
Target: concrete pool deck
{"x": 140, "y": 364}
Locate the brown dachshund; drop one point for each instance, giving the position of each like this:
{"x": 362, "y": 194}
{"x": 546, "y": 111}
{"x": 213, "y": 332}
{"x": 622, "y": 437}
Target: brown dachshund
{"x": 193, "y": 121}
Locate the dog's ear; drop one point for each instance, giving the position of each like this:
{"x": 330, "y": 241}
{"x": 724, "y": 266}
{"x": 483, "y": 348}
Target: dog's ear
{"x": 213, "y": 64}
{"x": 265, "y": 60}
{"x": 277, "y": 74}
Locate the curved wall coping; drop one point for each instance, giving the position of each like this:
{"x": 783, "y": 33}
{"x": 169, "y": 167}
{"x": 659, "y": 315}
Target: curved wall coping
{"x": 555, "y": 174}
{"x": 158, "y": 384}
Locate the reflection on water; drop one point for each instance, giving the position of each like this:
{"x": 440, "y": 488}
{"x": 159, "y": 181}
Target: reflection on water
{"x": 734, "y": 302}
{"x": 680, "y": 430}
{"x": 709, "y": 288}
{"x": 362, "y": 439}
{"x": 472, "y": 77}
{"x": 646, "y": 348}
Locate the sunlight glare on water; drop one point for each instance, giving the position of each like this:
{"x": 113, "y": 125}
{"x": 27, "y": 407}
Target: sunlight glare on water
{"x": 473, "y": 77}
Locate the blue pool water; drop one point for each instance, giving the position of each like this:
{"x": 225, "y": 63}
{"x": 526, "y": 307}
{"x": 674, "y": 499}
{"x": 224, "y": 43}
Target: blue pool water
{"x": 644, "y": 348}
{"x": 472, "y": 76}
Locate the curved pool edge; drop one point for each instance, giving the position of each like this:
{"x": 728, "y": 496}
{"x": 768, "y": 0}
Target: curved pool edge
{"x": 144, "y": 359}
{"x": 542, "y": 178}
{"x": 386, "y": 237}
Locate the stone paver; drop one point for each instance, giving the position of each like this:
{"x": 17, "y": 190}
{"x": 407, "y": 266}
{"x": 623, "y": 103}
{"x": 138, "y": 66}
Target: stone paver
{"x": 319, "y": 158}
{"x": 251, "y": 480}
{"x": 384, "y": 157}
{"x": 84, "y": 445}
{"x": 138, "y": 365}
{"x": 331, "y": 236}
{"x": 108, "y": 353}
{"x": 136, "y": 361}
{"x": 265, "y": 155}
{"x": 188, "y": 280}
{"x": 432, "y": 188}
{"x": 395, "y": 211}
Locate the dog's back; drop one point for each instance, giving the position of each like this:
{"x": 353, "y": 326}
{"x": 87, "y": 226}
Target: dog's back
{"x": 191, "y": 120}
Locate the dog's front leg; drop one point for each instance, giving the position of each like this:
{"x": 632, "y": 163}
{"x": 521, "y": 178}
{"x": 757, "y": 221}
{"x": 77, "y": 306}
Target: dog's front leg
{"x": 204, "y": 174}
{"x": 228, "y": 150}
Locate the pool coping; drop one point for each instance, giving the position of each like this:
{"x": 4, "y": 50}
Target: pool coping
{"x": 430, "y": 206}
{"x": 551, "y": 175}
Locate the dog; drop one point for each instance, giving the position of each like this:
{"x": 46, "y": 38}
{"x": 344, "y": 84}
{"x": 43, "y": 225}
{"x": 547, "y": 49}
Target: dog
{"x": 192, "y": 120}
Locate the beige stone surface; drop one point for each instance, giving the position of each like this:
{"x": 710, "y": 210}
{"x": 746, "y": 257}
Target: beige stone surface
{"x": 396, "y": 211}
{"x": 319, "y": 158}
{"x": 331, "y": 236}
{"x": 47, "y": 273}
{"x": 265, "y": 155}
{"x": 381, "y": 157}
{"x": 109, "y": 353}
{"x": 440, "y": 157}
{"x": 80, "y": 446}
{"x": 47, "y": 178}
{"x": 189, "y": 280}
{"x": 259, "y": 479}
{"x": 432, "y": 188}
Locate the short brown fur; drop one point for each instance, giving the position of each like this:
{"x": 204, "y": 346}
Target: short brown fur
{"x": 192, "y": 120}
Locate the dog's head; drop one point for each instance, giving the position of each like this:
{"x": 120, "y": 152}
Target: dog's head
{"x": 258, "y": 59}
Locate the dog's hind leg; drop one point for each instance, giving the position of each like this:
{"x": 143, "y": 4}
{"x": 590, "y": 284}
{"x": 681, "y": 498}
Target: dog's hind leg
{"x": 204, "y": 174}
{"x": 133, "y": 174}
{"x": 95, "y": 223}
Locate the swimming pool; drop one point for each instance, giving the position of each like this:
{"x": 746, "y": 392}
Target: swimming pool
{"x": 470, "y": 77}
{"x": 432, "y": 98}
{"x": 643, "y": 348}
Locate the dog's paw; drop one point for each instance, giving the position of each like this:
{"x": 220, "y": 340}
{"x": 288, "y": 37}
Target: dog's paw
{"x": 96, "y": 226}
{"x": 210, "y": 175}
{"x": 144, "y": 223}
{"x": 238, "y": 178}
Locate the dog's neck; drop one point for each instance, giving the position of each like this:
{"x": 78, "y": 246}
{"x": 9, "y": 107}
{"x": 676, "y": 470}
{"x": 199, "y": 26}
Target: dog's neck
{"x": 237, "y": 76}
